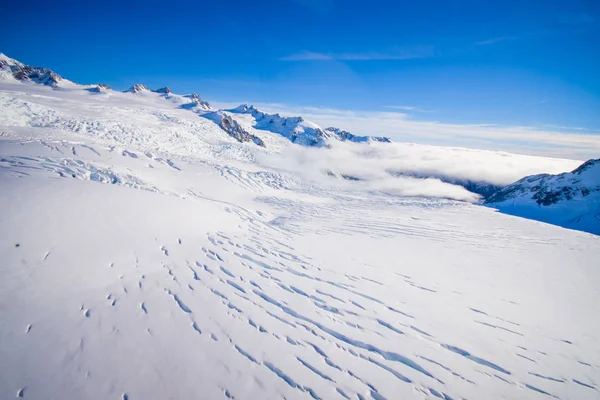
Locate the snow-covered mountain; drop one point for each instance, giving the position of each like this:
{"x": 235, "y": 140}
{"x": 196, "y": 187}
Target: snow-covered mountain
{"x": 295, "y": 129}
{"x": 232, "y": 127}
{"x": 21, "y": 72}
{"x": 347, "y": 136}
{"x": 570, "y": 199}
{"x": 150, "y": 252}
{"x": 138, "y": 88}
{"x": 300, "y": 131}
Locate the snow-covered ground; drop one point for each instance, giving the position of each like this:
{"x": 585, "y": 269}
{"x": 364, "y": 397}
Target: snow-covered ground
{"x": 146, "y": 254}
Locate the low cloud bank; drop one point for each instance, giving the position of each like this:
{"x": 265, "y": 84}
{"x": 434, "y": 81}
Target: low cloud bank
{"x": 376, "y": 167}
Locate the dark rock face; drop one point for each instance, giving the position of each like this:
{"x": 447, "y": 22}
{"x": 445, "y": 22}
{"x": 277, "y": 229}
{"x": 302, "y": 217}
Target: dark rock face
{"x": 138, "y": 88}
{"x": 295, "y": 129}
{"x": 196, "y": 102}
{"x": 164, "y": 90}
{"x": 236, "y": 131}
{"x": 548, "y": 189}
{"x": 347, "y": 136}
{"x": 99, "y": 88}
{"x": 586, "y": 166}
{"x": 36, "y": 74}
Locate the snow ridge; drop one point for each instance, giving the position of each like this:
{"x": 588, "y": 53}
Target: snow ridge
{"x": 295, "y": 129}
{"x": 233, "y": 128}
{"x": 347, "y": 136}
{"x": 570, "y": 199}
{"x": 300, "y": 131}
{"x": 22, "y": 72}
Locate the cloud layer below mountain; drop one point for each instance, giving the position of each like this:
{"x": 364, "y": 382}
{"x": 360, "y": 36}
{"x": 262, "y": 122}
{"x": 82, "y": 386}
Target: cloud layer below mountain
{"x": 375, "y": 166}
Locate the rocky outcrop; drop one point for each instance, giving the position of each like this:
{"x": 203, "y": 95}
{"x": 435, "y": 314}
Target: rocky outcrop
{"x": 232, "y": 127}
{"x": 347, "y": 136}
{"x": 138, "y": 88}
{"x": 165, "y": 90}
{"x": 24, "y": 72}
{"x": 196, "y": 103}
{"x": 295, "y": 129}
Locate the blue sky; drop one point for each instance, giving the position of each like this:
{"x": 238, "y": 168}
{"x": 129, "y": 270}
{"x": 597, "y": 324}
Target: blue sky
{"x": 510, "y": 63}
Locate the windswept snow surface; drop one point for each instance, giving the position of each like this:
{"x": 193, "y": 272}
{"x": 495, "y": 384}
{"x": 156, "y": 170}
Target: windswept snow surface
{"x": 148, "y": 255}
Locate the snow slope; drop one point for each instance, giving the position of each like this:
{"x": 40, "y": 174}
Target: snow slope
{"x": 569, "y": 199}
{"x": 147, "y": 254}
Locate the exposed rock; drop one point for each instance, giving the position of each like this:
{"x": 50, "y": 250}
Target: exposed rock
{"x": 24, "y": 72}
{"x": 347, "y": 136}
{"x": 295, "y": 129}
{"x": 164, "y": 90}
{"x": 138, "y": 88}
{"x": 196, "y": 103}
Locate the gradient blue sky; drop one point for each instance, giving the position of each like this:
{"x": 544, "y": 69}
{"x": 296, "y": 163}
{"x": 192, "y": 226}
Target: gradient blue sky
{"x": 513, "y": 63}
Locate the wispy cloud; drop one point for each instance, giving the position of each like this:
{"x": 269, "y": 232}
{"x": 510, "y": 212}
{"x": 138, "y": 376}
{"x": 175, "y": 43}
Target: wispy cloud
{"x": 408, "y": 108}
{"x": 402, "y": 54}
{"x": 405, "y": 108}
{"x": 495, "y": 40}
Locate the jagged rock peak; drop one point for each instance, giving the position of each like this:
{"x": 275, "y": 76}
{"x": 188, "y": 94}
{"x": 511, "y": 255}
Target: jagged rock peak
{"x": 24, "y": 72}
{"x": 547, "y": 189}
{"x": 196, "y": 103}
{"x": 233, "y": 128}
{"x": 164, "y": 90}
{"x": 196, "y": 98}
{"x": 246, "y": 109}
{"x": 138, "y": 88}
{"x": 586, "y": 166}
{"x": 99, "y": 88}
{"x": 344, "y": 135}
{"x": 6, "y": 60}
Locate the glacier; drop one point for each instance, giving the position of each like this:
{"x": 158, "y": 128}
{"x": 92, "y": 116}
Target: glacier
{"x": 148, "y": 254}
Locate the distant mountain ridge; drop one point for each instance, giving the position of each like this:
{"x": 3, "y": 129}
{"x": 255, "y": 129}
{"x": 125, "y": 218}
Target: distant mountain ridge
{"x": 300, "y": 131}
{"x": 22, "y": 72}
{"x": 295, "y": 129}
{"x": 570, "y": 199}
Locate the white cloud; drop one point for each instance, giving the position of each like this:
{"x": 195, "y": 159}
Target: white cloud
{"x": 374, "y": 165}
{"x": 399, "y": 54}
{"x": 405, "y": 108}
{"x": 408, "y": 108}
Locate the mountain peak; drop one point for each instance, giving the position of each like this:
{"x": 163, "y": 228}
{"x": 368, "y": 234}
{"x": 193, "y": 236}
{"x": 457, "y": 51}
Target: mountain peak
{"x": 164, "y": 90}
{"x": 245, "y": 109}
{"x": 570, "y": 199}
{"x": 138, "y": 88}
{"x": 4, "y": 59}
{"x": 586, "y": 166}
{"x": 196, "y": 103}
{"x": 344, "y": 135}
{"x": 24, "y": 72}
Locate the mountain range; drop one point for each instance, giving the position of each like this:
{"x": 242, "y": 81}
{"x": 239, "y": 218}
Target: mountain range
{"x": 154, "y": 246}
{"x": 568, "y": 200}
